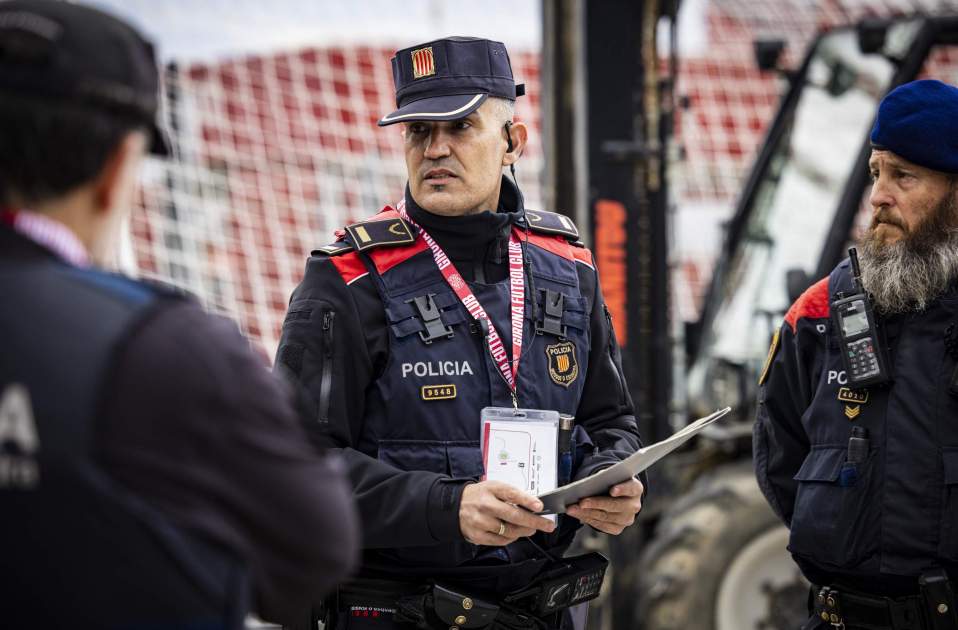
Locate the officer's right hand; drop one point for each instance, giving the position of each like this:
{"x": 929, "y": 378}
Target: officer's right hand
{"x": 490, "y": 507}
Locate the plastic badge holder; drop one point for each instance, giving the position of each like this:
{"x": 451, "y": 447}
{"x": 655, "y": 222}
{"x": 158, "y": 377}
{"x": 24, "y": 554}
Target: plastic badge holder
{"x": 520, "y": 447}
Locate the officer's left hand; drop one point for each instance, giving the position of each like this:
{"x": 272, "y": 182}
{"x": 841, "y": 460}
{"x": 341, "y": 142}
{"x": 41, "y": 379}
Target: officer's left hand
{"x": 611, "y": 514}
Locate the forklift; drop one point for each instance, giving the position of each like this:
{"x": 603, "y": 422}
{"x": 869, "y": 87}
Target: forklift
{"x": 708, "y": 553}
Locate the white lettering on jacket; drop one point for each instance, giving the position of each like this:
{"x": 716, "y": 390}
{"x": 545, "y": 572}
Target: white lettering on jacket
{"x": 18, "y": 428}
{"x": 422, "y": 369}
{"x": 837, "y": 375}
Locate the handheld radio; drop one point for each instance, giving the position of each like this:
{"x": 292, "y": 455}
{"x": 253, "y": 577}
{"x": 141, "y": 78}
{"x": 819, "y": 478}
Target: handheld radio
{"x": 860, "y": 341}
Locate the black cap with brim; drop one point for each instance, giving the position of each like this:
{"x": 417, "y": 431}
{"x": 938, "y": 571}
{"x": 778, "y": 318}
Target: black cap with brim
{"x": 69, "y": 54}
{"x": 452, "y": 107}
{"x": 449, "y": 78}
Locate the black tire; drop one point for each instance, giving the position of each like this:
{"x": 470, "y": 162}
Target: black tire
{"x": 696, "y": 541}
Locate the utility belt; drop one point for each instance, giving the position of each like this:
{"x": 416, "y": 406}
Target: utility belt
{"x": 566, "y": 583}
{"x": 934, "y": 608}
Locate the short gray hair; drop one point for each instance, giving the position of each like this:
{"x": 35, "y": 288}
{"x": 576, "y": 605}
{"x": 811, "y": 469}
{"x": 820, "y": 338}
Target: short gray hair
{"x": 503, "y": 108}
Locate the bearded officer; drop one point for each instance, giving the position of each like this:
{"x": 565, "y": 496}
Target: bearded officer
{"x": 867, "y": 478}
{"x": 153, "y": 473}
{"x": 400, "y": 333}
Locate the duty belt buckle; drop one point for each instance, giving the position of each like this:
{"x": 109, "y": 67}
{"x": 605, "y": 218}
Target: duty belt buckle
{"x": 830, "y": 603}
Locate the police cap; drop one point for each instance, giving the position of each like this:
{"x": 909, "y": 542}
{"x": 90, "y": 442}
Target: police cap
{"x": 449, "y": 78}
{"x": 68, "y": 53}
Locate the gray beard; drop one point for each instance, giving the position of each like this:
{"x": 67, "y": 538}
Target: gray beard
{"x": 910, "y": 274}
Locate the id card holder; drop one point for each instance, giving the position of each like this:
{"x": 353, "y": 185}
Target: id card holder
{"x": 521, "y": 447}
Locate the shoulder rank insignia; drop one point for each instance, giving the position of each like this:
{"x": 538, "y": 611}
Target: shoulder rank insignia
{"x": 552, "y": 223}
{"x": 771, "y": 356}
{"x": 333, "y": 249}
{"x": 387, "y": 232}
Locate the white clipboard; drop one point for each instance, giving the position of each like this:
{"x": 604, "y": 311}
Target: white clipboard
{"x": 598, "y": 484}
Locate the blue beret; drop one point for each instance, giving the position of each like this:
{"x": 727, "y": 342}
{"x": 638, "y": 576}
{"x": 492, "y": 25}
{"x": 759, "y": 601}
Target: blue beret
{"x": 919, "y": 122}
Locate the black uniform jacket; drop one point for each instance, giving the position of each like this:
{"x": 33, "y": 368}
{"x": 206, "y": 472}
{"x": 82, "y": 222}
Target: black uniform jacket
{"x": 199, "y": 428}
{"x": 877, "y": 524}
{"x": 418, "y": 508}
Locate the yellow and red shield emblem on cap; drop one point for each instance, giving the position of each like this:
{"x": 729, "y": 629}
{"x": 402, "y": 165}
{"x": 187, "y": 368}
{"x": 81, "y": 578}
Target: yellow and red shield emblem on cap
{"x": 423, "y": 63}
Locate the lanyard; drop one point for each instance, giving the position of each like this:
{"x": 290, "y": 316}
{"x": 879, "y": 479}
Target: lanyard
{"x": 517, "y": 292}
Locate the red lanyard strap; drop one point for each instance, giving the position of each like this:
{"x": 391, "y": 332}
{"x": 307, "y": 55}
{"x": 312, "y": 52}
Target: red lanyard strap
{"x": 517, "y": 293}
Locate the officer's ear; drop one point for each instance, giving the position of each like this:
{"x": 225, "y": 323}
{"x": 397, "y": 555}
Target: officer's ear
{"x": 115, "y": 185}
{"x": 516, "y": 137}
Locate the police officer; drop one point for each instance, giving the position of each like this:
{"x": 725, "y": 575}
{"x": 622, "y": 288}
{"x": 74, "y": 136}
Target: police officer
{"x": 866, "y": 478}
{"x": 401, "y": 333}
{"x": 153, "y": 474}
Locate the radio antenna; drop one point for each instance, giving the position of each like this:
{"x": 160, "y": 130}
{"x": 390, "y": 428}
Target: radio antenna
{"x": 856, "y": 269}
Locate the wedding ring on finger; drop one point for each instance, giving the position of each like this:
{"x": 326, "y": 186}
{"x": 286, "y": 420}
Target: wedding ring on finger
{"x": 502, "y": 528}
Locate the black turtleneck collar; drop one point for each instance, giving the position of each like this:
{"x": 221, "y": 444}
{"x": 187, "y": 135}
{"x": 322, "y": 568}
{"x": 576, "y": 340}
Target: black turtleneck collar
{"x": 476, "y": 243}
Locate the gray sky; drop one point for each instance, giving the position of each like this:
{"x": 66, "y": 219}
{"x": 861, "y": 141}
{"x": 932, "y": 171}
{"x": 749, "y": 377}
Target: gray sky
{"x": 209, "y": 29}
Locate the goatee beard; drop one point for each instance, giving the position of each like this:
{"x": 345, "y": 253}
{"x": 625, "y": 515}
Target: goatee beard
{"x": 911, "y": 273}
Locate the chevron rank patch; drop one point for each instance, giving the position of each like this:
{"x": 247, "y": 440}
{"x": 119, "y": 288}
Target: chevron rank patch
{"x": 552, "y": 223}
{"x": 854, "y": 399}
{"x": 771, "y": 357}
{"x": 380, "y": 233}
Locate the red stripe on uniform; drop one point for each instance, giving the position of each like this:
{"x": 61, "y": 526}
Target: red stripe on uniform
{"x": 350, "y": 266}
{"x": 583, "y": 255}
{"x": 555, "y": 244}
{"x": 813, "y": 304}
{"x": 385, "y": 258}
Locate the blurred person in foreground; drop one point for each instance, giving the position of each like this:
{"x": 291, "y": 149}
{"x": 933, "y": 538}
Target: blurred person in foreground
{"x": 399, "y": 353}
{"x": 867, "y": 478}
{"x": 153, "y": 474}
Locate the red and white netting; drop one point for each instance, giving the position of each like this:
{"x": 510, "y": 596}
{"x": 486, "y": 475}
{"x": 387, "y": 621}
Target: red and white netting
{"x": 275, "y": 151}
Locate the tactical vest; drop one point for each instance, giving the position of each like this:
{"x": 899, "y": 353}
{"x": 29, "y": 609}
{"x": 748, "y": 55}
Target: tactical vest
{"x": 897, "y": 511}
{"x": 76, "y": 549}
{"x": 422, "y": 413}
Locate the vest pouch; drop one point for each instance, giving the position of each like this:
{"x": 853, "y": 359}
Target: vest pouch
{"x": 555, "y": 312}
{"x": 834, "y": 523}
{"x": 432, "y": 315}
{"x": 459, "y": 460}
{"x": 948, "y": 541}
